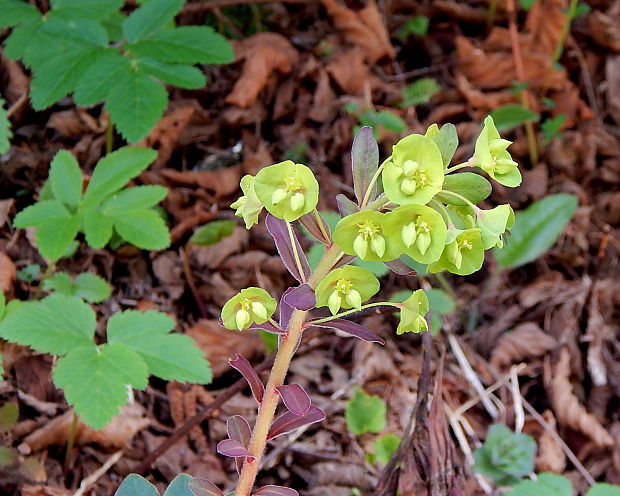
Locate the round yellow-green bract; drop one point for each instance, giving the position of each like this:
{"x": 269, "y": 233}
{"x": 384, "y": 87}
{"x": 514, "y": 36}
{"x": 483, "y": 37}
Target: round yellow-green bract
{"x": 426, "y": 153}
{"x": 472, "y": 258}
{"x": 269, "y": 179}
{"x": 363, "y": 281}
{"x": 484, "y": 158}
{"x": 347, "y": 230}
{"x": 412, "y": 313}
{"x": 233, "y": 305}
{"x": 403, "y": 215}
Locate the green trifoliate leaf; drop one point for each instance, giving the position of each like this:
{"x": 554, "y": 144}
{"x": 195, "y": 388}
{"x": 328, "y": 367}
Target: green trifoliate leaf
{"x": 101, "y": 77}
{"x": 418, "y": 230}
{"x": 346, "y": 287}
{"x": 493, "y": 224}
{"x": 150, "y": 17}
{"x": 212, "y": 232}
{"x": 462, "y": 256}
{"x": 186, "y": 44}
{"x": 385, "y": 447}
{"x": 287, "y": 190}
{"x": 505, "y": 456}
{"x": 248, "y": 206}
{"x": 144, "y": 228}
{"x": 86, "y": 9}
{"x": 66, "y": 178}
{"x": 89, "y": 287}
{"x": 76, "y": 34}
{"x": 365, "y": 413}
{"x": 472, "y": 186}
{"x": 415, "y": 172}
{"x": 135, "y": 485}
{"x": 491, "y": 156}
{"x": 55, "y": 227}
{"x": 362, "y": 234}
{"x": 250, "y": 305}
{"x": 546, "y": 484}
{"x": 95, "y": 380}
{"x": 183, "y": 76}
{"x": 412, "y": 313}
{"x": 15, "y": 12}
{"x": 5, "y": 128}
{"x": 54, "y": 325}
{"x": 169, "y": 356}
{"x": 115, "y": 170}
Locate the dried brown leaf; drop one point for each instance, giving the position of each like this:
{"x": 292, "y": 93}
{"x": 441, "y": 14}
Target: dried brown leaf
{"x": 527, "y": 340}
{"x": 8, "y": 273}
{"x": 212, "y": 256}
{"x": 37, "y": 490}
{"x": 604, "y": 30}
{"x": 545, "y": 23}
{"x": 550, "y": 457}
{"x": 220, "y": 182}
{"x": 349, "y": 71}
{"x": 165, "y": 135}
{"x": 612, "y": 74}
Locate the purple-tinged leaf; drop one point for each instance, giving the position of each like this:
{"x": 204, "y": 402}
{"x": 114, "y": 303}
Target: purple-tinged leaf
{"x": 239, "y": 430}
{"x": 311, "y": 223}
{"x": 202, "y": 487}
{"x": 265, "y": 326}
{"x": 285, "y": 309}
{"x": 295, "y": 398}
{"x": 288, "y": 421}
{"x": 400, "y": 267}
{"x": 301, "y": 297}
{"x": 276, "y": 491}
{"x": 241, "y": 364}
{"x": 345, "y": 260}
{"x": 280, "y": 234}
{"x": 232, "y": 448}
{"x": 346, "y": 206}
{"x": 353, "y": 329}
{"x": 364, "y": 163}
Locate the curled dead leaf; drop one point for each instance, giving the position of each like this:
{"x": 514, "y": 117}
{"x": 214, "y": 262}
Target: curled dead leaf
{"x": 220, "y": 182}
{"x": 604, "y": 30}
{"x": 545, "y": 23}
{"x": 527, "y": 340}
{"x": 550, "y": 457}
{"x": 7, "y": 273}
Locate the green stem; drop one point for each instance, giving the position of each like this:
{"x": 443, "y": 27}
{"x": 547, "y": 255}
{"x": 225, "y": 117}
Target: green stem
{"x": 460, "y": 197}
{"x": 443, "y": 211}
{"x": 532, "y": 143}
{"x": 291, "y": 236}
{"x": 354, "y": 310}
{"x": 372, "y": 183}
{"x": 109, "y": 136}
{"x": 267, "y": 408}
{"x": 459, "y": 166}
{"x": 446, "y": 286}
{"x": 570, "y": 15}
{"x": 71, "y": 440}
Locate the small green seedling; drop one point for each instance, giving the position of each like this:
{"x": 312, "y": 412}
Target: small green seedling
{"x": 29, "y": 273}
{"x": 551, "y": 127}
{"x": 94, "y": 376}
{"x": 5, "y": 129}
{"x": 365, "y": 413}
{"x": 212, "y": 232}
{"x": 385, "y": 447}
{"x": 376, "y": 120}
{"x": 63, "y": 210}
{"x": 506, "y": 456}
{"x": 419, "y": 92}
{"x": 549, "y": 484}
{"x": 417, "y": 25}
{"x": 96, "y": 52}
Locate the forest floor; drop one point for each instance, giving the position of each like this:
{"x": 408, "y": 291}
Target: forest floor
{"x": 299, "y": 64}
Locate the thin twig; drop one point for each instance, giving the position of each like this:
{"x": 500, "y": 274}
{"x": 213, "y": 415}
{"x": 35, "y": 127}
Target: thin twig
{"x": 517, "y": 399}
{"x": 187, "y": 270}
{"x": 97, "y": 474}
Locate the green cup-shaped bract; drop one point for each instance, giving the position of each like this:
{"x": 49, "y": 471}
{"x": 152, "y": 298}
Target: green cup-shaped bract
{"x": 412, "y": 313}
{"x": 492, "y": 156}
{"x": 362, "y": 234}
{"x": 493, "y": 224}
{"x": 287, "y": 190}
{"x": 346, "y": 287}
{"x": 419, "y": 231}
{"x": 461, "y": 256}
{"x": 415, "y": 172}
{"x": 250, "y": 305}
{"x": 248, "y": 206}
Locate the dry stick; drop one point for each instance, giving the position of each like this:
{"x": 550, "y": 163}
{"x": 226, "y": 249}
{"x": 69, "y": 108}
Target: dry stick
{"x": 187, "y": 270}
{"x": 197, "y": 419}
{"x": 197, "y": 8}
{"x": 97, "y": 474}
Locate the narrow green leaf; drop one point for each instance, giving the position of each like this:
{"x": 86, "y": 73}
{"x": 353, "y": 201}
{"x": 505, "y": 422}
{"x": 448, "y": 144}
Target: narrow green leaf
{"x": 86, "y": 9}
{"x": 179, "y": 486}
{"x": 40, "y": 213}
{"x": 66, "y": 178}
{"x": 114, "y": 171}
{"x": 97, "y": 227}
{"x": 536, "y": 229}
{"x": 447, "y": 141}
{"x": 135, "y": 485}
{"x": 136, "y": 198}
{"x": 365, "y": 413}
{"x": 183, "y": 76}
{"x": 472, "y": 186}
{"x": 95, "y": 380}
{"x": 510, "y": 116}
{"x": 96, "y": 82}
{"x": 212, "y": 232}
{"x": 5, "y": 129}
{"x": 143, "y": 228}
{"x": 546, "y": 485}
{"x": 136, "y": 103}
{"x": 54, "y": 325}
{"x": 188, "y": 45}
{"x": 15, "y": 12}
{"x": 168, "y": 355}
{"x": 149, "y": 17}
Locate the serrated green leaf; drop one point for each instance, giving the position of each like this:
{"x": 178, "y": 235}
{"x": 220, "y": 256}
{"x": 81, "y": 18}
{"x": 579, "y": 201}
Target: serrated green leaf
{"x": 385, "y": 447}
{"x": 55, "y": 325}
{"x": 365, "y": 413}
{"x": 114, "y": 171}
{"x": 86, "y": 9}
{"x": 168, "y": 355}
{"x": 143, "y": 228}
{"x": 150, "y": 17}
{"x": 135, "y": 485}
{"x": 604, "y": 489}
{"x": 510, "y": 116}
{"x": 183, "y": 76}
{"x": 179, "y": 486}
{"x": 96, "y": 82}
{"x": 136, "y": 198}
{"x": 5, "y": 129}
{"x": 40, "y": 213}
{"x": 95, "y": 380}
{"x": 546, "y": 485}
{"x": 135, "y": 104}
{"x": 419, "y": 92}
{"x": 212, "y": 232}
{"x": 75, "y": 34}
{"x": 89, "y": 287}
{"x": 113, "y": 24}
{"x": 186, "y": 44}
{"x": 15, "y": 12}
{"x": 536, "y": 229}
{"x": 97, "y": 227}
{"x": 66, "y": 178}
{"x": 22, "y": 39}
{"x": 60, "y": 283}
